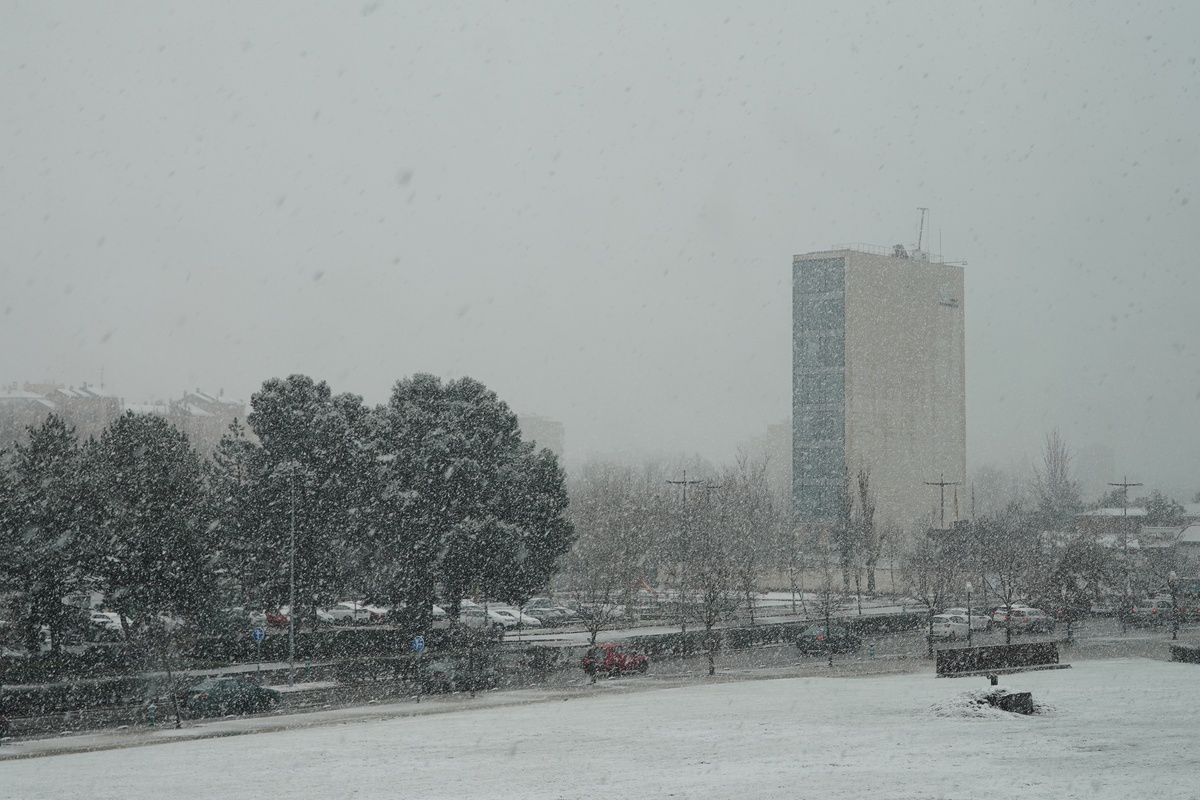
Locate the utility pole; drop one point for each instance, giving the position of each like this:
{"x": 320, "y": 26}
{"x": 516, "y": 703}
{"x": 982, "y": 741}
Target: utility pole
{"x": 1125, "y": 484}
{"x": 682, "y": 589}
{"x": 942, "y": 483}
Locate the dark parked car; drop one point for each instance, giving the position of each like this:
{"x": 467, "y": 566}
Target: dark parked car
{"x": 1067, "y": 613}
{"x": 614, "y": 659}
{"x": 817, "y": 639}
{"x": 215, "y": 697}
{"x": 455, "y": 675}
{"x": 1152, "y": 611}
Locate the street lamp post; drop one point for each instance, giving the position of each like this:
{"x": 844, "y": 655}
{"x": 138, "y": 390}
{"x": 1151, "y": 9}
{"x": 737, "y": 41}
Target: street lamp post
{"x": 292, "y": 579}
{"x": 1171, "y": 577}
{"x": 683, "y": 554}
{"x": 970, "y": 640}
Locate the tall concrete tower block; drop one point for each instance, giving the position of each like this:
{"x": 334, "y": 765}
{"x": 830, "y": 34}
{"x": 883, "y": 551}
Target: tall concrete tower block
{"x": 878, "y": 384}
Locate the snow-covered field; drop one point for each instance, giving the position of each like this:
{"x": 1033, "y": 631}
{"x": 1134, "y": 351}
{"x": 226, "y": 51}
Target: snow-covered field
{"x": 1111, "y": 729}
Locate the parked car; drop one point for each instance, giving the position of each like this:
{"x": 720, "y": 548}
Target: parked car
{"x": 441, "y": 620}
{"x": 108, "y": 620}
{"x": 278, "y": 618}
{"x": 548, "y": 612}
{"x": 1063, "y": 613}
{"x": 552, "y": 615}
{"x": 478, "y": 618}
{"x": 590, "y": 611}
{"x": 1024, "y": 619}
{"x": 377, "y": 613}
{"x": 1152, "y": 611}
{"x": 613, "y": 659}
{"x": 456, "y": 675}
{"x": 221, "y": 696}
{"x": 979, "y": 618}
{"x": 949, "y": 626}
{"x": 346, "y": 611}
{"x": 523, "y": 620}
{"x": 819, "y": 639}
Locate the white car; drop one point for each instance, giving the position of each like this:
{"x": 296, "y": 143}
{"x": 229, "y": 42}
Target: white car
{"x": 524, "y": 620}
{"x": 441, "y": 620}
{"x": 345, "y": 611}
{"x": 109, "y": 620}
{"x": 478, "y": 618}
{"x": 949, "y": 626}
{"x": 979, "y": 618}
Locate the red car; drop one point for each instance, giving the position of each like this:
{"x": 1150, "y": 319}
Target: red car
{"x": 614, "y": 659}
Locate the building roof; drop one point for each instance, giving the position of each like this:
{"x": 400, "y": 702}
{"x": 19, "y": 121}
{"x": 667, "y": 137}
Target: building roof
{"x": 160, "y": 409}
{"x": 16, "y": 397}
{"x": 1115, "y": 512}
{"x": 1190, "y": 535}
{"x": 83, "y": 391}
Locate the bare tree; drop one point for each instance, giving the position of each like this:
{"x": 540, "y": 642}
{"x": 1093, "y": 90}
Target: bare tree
{"x": 1013, "y": 553}
{"x": 751, "y": 523}
{"x": 931, "y": 574}
{"x": 713, "y": 569}
{"x": 827, "y": 598}
{"x": 1057, "y": 494}
{"x": 871, "y": 536}
{"x": 845, "y": 533}
{"x": 615, "y": 515}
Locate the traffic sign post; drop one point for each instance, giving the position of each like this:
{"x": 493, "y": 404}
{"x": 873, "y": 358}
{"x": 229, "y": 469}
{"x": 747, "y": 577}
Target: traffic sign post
{"x": 418, "y": 644}
{"x": 257, "y": 635}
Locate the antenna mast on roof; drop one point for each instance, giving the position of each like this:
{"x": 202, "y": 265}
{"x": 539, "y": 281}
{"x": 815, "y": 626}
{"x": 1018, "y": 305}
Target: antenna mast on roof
{"x": 921, "y": 228}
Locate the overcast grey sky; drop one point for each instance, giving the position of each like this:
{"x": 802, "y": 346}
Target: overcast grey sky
{"x": 593, "y": 208}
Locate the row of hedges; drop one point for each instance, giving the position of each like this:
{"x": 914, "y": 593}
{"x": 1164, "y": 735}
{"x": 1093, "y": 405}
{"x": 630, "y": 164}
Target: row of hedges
{"x": 748, "y": 637}
{"x": 22, "y": 701}
{"x": 887, "y": 623}
{"x": 96, "y": 660}
{"x": 319, "y": 644}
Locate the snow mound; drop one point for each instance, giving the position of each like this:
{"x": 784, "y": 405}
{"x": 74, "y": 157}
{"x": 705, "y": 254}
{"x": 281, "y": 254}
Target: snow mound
{"x": 975, "y": 704}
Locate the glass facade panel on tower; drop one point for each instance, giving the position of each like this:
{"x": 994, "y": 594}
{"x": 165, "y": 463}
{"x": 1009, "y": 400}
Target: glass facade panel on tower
{"x": 818, "y": 397}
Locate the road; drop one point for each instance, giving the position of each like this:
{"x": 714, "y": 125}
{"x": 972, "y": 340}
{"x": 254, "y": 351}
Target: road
{"x": 886, "y": 653}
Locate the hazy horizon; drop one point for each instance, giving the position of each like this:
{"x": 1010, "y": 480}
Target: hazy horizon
{"x": 593, "y": 209}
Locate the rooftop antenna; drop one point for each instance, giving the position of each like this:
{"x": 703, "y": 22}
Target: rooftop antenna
{"x": 921, "y": 229}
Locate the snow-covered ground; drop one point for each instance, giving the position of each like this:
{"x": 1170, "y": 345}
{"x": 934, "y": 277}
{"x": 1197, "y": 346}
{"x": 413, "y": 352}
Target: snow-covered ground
{"x": 1111, "y": 729}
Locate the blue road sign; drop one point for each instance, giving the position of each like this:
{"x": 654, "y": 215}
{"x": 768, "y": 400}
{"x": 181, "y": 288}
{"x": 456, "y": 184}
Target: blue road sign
{"x": 257, "y": 634}
{"x": 418, "y": 643}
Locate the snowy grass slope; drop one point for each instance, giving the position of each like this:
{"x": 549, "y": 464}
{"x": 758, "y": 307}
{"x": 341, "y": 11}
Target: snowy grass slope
{"x": 1116, "y": 729}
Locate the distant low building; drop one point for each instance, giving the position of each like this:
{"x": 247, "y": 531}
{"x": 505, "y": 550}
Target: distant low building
{"x": 205, "y": 418}
{"x": 1189, "y": 538}
{"x": 87, "y": 409}
{"x": 1118, "y": 522}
